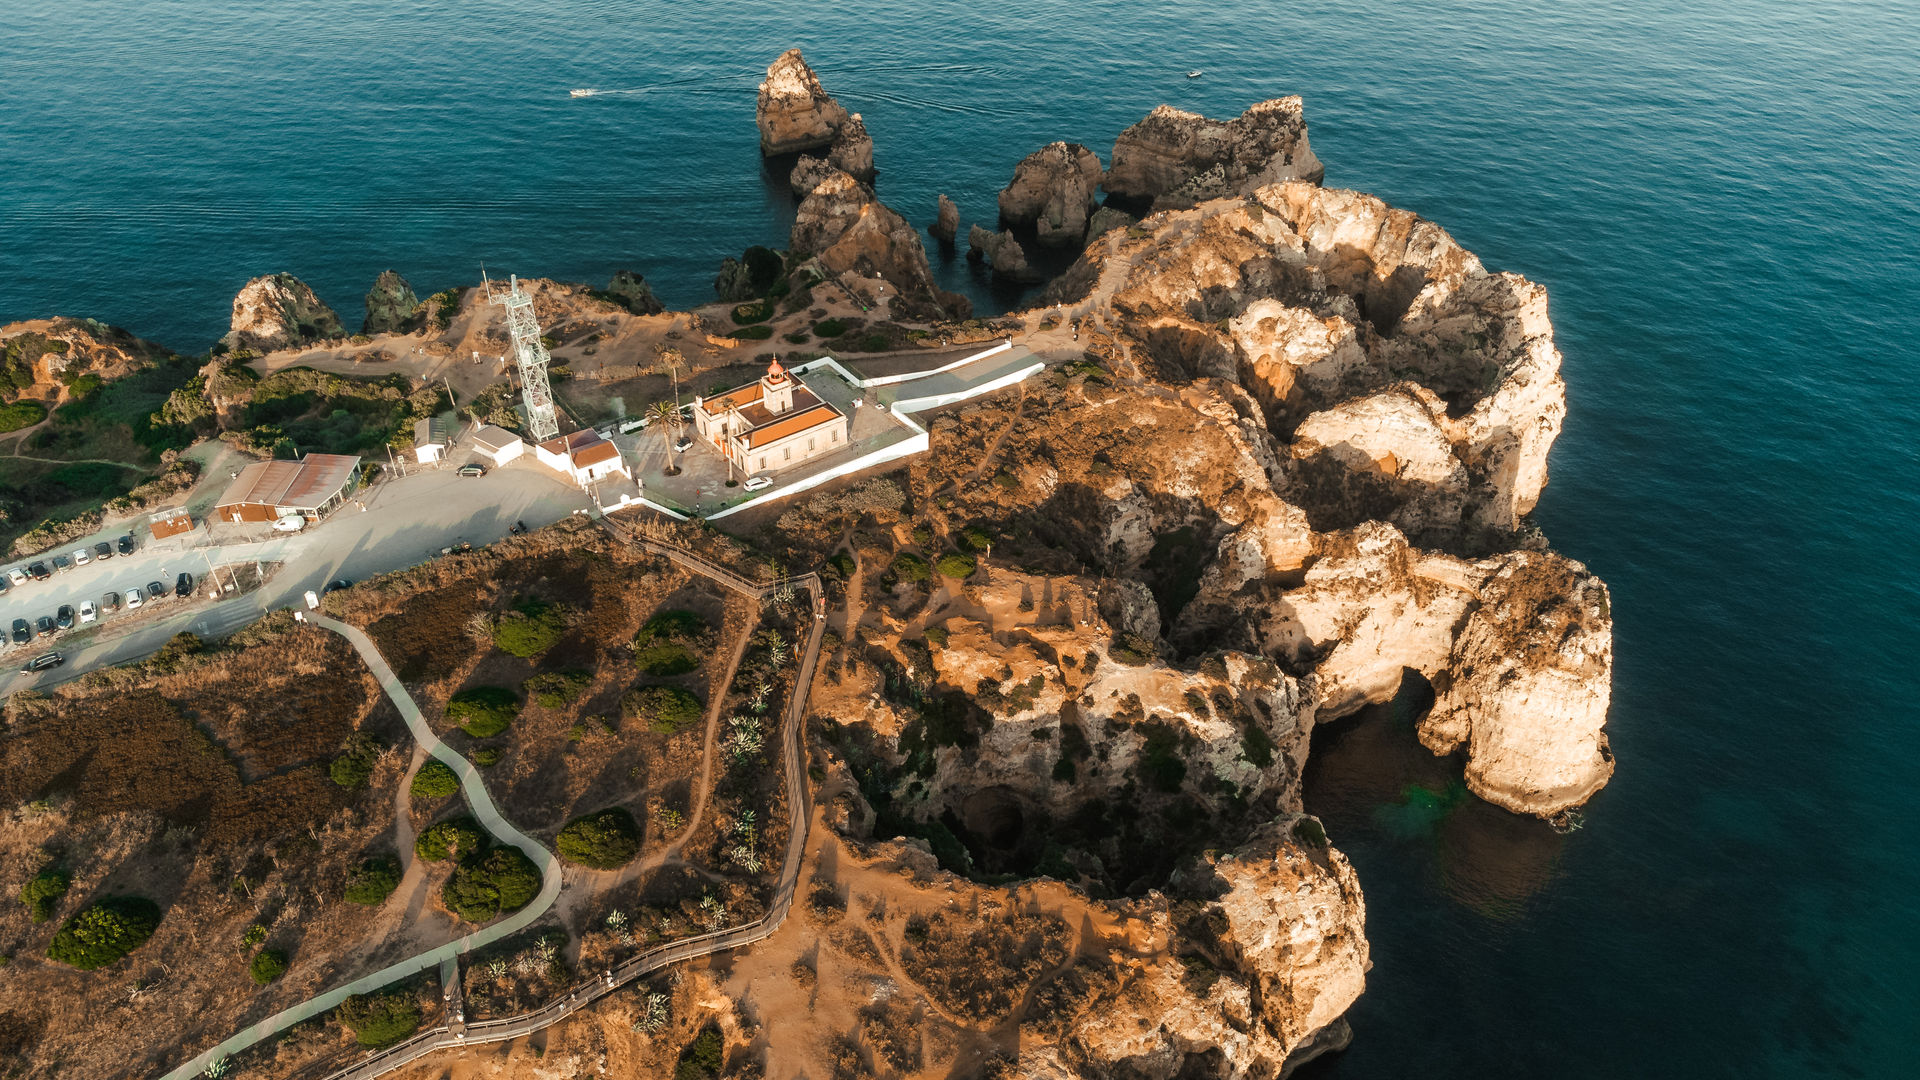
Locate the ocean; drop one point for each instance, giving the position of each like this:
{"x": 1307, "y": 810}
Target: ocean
{"x": 1723, "y": 200}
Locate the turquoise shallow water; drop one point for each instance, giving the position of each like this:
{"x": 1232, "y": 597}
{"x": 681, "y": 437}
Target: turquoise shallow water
{"x": 1724, "y": 201}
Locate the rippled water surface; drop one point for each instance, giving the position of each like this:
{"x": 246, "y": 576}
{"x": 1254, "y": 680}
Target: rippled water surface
{"x": 1722, "y": 199}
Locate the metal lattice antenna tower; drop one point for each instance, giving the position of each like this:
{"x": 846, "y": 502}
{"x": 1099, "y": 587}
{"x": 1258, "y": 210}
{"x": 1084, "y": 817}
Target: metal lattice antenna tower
{"x": 532, "y": 357}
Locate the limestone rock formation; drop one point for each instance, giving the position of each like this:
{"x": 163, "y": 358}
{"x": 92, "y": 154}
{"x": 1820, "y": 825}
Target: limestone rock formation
{"x": 279, "y": 311}
{"x": 946, "y": 221}
{"x": 41, "y": 358}
{"x": 391, "y": 305}
{"x": 749, "y": 276}
{"x": 845, "y": 229}
{"x": 635, "y": 293}
{"x": 794, "y": 112}
{"x": 1002, "y": 252}
{"x": 809, "y": 173}
{"x": 1054, "y": 189}
{"x": 1174, "y": 158}
{"x": 852, "y": 150}
{"x": 1106, "y": 219}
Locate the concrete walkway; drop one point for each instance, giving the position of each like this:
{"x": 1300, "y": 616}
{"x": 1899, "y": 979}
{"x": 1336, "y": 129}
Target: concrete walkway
{"x": 483, "y": 810}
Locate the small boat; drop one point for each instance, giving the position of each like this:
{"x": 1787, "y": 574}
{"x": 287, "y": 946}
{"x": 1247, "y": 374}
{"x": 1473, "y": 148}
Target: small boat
{"x": 581, "y": 93}
{"x": 1194, "y": 74}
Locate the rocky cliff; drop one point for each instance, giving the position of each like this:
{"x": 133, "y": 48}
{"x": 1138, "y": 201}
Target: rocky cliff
{"x": 42, "y": 358}
{"x": 845, "y": 229}
{"x": 279, "y": 311}
{"x": 391, "y": 305}
{"x": 1174, "y": 158}
{"x": 1054, "y": 190}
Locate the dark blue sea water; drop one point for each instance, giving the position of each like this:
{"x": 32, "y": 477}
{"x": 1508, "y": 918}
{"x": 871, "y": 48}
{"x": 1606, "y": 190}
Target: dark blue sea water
{"x": 1724, "y": 199}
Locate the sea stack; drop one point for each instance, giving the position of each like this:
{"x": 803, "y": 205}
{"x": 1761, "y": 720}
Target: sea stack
{"x": 795, "y": 112}
{"x": 1054, "y": 190}
{"x": 946, "y": 221}
{"x": 279, "y": 311}
{"x": 390, "y": 305}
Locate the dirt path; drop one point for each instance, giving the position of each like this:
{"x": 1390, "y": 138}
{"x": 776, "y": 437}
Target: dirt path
{"x": 18, "y": 456}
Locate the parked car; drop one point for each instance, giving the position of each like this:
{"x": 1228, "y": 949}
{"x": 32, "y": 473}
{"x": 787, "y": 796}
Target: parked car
{"x": 44, "y": 624}
{"x": 683, "y": 446}
{"x": 183, "y": 585}
{"x": 759, "y": 483}
{"x": 518, "y": 528}
{"x": 39, "y": 571}
{"x": 126, "y": 544}
{"x": 290, "y": 524}
{"x": 110, "y": 601}
{"x": 43, "y": 662}
{"x": 471, "y": 469}
{"x": 337, "y": 584}
{"x": 134, "y": 599}
{"x": 3, "y": 585}
{"x": 22, "y": 632}
{"x": 64, "y": 617}
{"x": 88, "y": 612}
{"x": 103, "y": 551}
{"x": 81, "y": 557}
{"x": 17, "y": 575}
{"x": 155, "y": 590}
{"x": 62, "y": 564}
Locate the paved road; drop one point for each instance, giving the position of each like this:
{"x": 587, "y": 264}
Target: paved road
{"x": 452, "y": 1033}
{"x": 406, "y": 522}
{"x": 483, "y": 809}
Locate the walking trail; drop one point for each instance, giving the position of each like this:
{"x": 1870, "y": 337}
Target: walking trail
{"x": 452, "y": 1032}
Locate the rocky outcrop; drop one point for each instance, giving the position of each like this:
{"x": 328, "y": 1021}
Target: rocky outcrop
{"x": 749, "y": 276}
{"x": 1001, "y": 252}
{"x": 279, "y": 311}
{"x": 809, "y": 173}
{"x": 632, "y": 290}
{"x": 1106, "y": 219}
{"x": 852, "y": 150}
{"x": 1175, "y": 158}
{"x": 846, "y": 230}
{"x": 795, "y": 113}
{"x": 43, "y": 358}
{"x": 391, "y": 305}
{"x": 1053, "y": 189}
{"x": 946, "y": 221}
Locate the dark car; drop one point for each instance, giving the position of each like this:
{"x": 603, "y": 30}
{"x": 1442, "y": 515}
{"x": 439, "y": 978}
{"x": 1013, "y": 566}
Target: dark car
{"x": 39, "y": 571}
{"x": 126, "y": 544}
{"x": 62, "y": 564}
{"x": 64, "y": 617}
{"x": 44, "y": 624}
{"x": 337, "y": 584}
{"x": 518, "y": 528}
{"x": 155, "y": 590}
{"x": 103, "y": 550}
{"x": 471, "y": 470}
{"x": 3, "y": 584}
{"x": 111, "y": 601}
{"x": 43, "y": 662}
{"x": 22, "y": 632}
{"x": 183, "y": 585}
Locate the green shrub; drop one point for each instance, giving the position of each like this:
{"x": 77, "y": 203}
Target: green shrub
{"x": 955, "y": 565}
{"x": 485, "y": 756}
{"x": 603, "y": 841}
{"x": 255, "y": 935}
{"x": 1310, "y": 832}
{"x": 977, "y": 539}
{"x": 44, "y": 891}
{"x": 1132, "y": 649}
{"x": 530, "y": 628}
{"x": 665, "y": 709}
{"x": 15, "y": 415}
{"x": 1257, "y": 746}
{"x": 876, "y": 343}
{"x": 757, "y": 312}
{"x": 1160, "y": 761}
{"x": 503, "y": 879}
{"x": 435, "y": 780}
{"x": 671, "y": 643}
{"x": 380, "y": 1019}
{"x": 937, "y": 636}
{"x": 798, "y": 337}
{"x": 268, "y": 965}
{"x": 355, "y": 764}
{"x": 556, "y": 688}
{"x": 105, "y": 931}
{"x": 372, "y": 881}
{"x": 458, "y": 837}
{"x": 703, "y": 1058}
{"x": 753, "y": 333}
{"x": 829, "y": 328}
{"x": 483, "y": 711}
{"x": 910, "y": 567}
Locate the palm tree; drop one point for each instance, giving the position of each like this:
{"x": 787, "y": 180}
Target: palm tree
{"x": 666, "y": 419}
